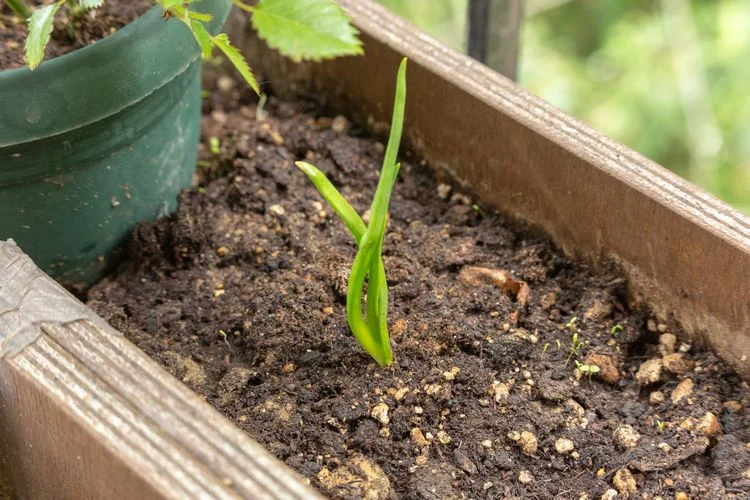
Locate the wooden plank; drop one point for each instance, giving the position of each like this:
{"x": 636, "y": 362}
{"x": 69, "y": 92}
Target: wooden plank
{"x": 686, "y": 252}
{"x": 86, "y": 414}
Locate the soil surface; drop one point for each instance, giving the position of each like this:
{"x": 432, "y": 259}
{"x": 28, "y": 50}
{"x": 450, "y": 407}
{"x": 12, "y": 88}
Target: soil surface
{"x": 70, "y": 32}
{"x": 241, "y": 295}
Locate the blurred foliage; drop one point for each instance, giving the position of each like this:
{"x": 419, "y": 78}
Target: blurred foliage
{"x": 669, "y": 78}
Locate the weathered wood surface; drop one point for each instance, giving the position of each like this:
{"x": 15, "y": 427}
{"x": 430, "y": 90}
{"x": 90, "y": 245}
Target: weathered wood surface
{"x": 86, "y": 414}
{"x": 686, "y": 252}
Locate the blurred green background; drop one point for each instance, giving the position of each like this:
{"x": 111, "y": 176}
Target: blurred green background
{"x": 669, "y": 78}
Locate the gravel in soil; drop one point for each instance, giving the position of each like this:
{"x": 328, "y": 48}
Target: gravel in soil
{"x": 70, "y": 32}
{"x": 518, "y": 373}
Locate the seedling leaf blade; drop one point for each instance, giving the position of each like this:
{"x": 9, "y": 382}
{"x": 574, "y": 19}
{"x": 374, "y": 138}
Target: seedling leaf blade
{"x": 342, "y": 207}
{"x": 306, "y": 29}
{"x": 40, "y": 29}
{"x": 372, "y": 332}
{"x": 371, "y": 246}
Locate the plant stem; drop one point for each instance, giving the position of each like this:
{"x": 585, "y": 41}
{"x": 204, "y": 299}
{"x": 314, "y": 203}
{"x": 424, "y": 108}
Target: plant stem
{"x": 19, "y": 8}
{"x": 243, "y": 6}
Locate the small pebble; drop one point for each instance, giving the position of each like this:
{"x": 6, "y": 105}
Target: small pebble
{"x": 528, "y": 443}
{"x": 656, "y": 398}
{"x": 624, "y": 482}
{"x": 277, "y": 209}
{"x": 525, "y": 477}
{"x": 610, "y": 494}
{"x": 564, "y": 445}
{"x": 649, "y": 372}
{"x": 340, "y": 124}
{"x": 222, "y": 251}
{"x": 380, "y": 413}
{"x": 487, "y": 443}
{"x": 708, "y": 424}
{"x": 677, "y": 363}
{"x": 626, "y": 436}
{"x": 682, "y": 391}
{"x": 667, "y": 343}
{"x": 418, "y": 438}
{"x": 443, "y": 191}
{"x": 664, "y": 447}
{"x": 499, "y": 391}
{"x": 444, "y": 437}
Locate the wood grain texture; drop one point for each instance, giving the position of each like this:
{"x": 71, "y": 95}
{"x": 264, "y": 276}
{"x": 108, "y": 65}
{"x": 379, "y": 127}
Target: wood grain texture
{"x": 687, "y": 253}
{"x": 85, "y": 414}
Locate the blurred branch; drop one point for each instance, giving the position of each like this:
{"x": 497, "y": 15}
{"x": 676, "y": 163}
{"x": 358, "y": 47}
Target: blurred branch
{"x": 493, "y": 32}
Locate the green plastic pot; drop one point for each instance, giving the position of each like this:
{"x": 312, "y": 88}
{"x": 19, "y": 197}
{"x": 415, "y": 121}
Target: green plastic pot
{"x": 95, "y": 140}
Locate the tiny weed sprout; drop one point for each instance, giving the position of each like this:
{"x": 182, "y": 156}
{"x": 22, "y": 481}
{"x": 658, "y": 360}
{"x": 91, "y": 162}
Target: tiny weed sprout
{"x": 661, "y": 425}
{"x": 616, "y": 329}
{"x": 214, "y": 145}
{"x": 571, "y": 324}
{"x": 574, "y": 350}
{"x": 546, "y": 346}
{"x": 300, "y": 29}
{"x": 587, "y": 370}
{"x": 372, "y": 331}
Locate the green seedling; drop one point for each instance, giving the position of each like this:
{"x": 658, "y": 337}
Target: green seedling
{"x": 576, "y": 346}
{"x": 571, "y": 324}
{"x": 661, "y": 425}
{"x": 616, "y": 329}
{"x": 214, "y": 145}
{"x": 223, "y": 335}
{"x": 372, "y": 331}
{"x": 299, "y": 29}
{"x": 588, "y": 370}
{"x": 559, "y": 344}
{"x": 546, "y": 346}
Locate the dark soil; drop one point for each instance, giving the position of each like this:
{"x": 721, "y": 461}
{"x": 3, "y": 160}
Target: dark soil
{"x": 70, "y": 33}
{"x": 241, "y": 295}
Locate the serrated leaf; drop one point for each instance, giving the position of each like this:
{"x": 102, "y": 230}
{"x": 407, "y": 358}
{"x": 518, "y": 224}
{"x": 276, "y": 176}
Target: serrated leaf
{"x": 306, "y": 29}
{"x": 90, "y": 4}
{"x": 40, "y": 29}
{"x": 222, "y": 41}
{"x": 203, "y": 37}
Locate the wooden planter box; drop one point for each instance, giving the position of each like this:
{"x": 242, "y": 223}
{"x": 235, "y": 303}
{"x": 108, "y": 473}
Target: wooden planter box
{"x": 85, "y": 414}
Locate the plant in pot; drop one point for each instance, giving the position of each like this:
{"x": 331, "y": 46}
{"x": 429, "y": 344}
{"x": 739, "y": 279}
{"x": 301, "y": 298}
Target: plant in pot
{"x": 106, "y": 134}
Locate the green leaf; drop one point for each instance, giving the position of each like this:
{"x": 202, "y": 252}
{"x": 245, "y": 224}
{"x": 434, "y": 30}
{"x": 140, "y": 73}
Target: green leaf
{"x": 198, "y": 16}
{"x": 40, "y": 29}
{"x": 90, "y": 4}
{"x": 203, "y": 37}
{"x": 342, "y": 207}
{"x": 170, "y": 4}
{"x": 222, "y": 41}
{"x": 306, "y": 29}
